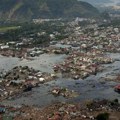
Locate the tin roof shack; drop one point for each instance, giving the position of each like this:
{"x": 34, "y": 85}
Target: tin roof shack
{"x": 34, "y": 52}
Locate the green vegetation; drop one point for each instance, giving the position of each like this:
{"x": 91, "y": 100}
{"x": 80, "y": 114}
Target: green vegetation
{"x": 105, "y": 15}
{"x": 40, "y": 33}
{"x": 103, "y": 116}
{"x": 114, "y": 23}
{"x": 5, "y": 29}
{"x": 29, "y": 9}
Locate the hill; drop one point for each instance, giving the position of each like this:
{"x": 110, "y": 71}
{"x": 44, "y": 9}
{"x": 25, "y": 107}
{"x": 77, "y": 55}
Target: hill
{"x": 101, "y": 2}
{"x": 29, "y": 9}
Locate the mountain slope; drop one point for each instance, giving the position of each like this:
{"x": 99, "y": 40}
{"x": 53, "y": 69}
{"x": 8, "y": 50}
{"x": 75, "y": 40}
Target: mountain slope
{"x": 29, "y": 9}
{"x": 101, "y": 2}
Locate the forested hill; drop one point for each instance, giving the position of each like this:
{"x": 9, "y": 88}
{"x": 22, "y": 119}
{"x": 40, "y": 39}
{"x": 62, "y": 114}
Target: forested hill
{"x": 29, "y": 9}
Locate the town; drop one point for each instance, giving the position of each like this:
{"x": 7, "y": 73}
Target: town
{"x": 75, "y": 60}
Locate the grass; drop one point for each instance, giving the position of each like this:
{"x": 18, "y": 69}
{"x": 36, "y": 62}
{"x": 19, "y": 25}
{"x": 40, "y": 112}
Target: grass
{"x": 5, "y": 29}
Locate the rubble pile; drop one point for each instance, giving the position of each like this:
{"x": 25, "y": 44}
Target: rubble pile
{"x": 87, "y": 50}
{"x": 81, "y": 65}
{"x": 83, "y": 112}
{"x": 22, "y": 79}
{"x": 24, "y": 53}
{"x": 91, "y": 110}
{"x": 105, "y": 39}
{"x": 104, "y": 105}
{"x": 57, "y": 50}
{"x": 34, "y": 52}
{"x": 64, "y": 92}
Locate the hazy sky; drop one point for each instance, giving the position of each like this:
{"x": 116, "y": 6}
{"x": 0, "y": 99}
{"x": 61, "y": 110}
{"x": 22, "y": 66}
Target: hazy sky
{"x": 116, "y": 1}
{"x": 105, "y": 2}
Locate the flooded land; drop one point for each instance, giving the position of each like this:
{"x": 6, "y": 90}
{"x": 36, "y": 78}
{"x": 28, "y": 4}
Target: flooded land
{"x": 74, "y": 78}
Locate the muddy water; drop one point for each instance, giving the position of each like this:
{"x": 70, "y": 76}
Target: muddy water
{"x": 44, "y": 62}
{"x": 93, "y": 87}
{"x": 7, "y": 63}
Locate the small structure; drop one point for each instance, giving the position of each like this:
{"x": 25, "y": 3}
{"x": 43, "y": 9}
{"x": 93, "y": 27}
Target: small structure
{"x": 117, "y": 88}
{"x": 5, "y": 47}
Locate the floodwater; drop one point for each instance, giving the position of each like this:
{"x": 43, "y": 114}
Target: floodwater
{"x": 7, "y": 63}
{"x": 44, "y": 62}
{"x": 93, "y": 87}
